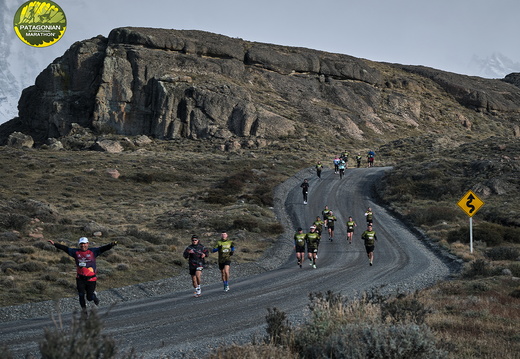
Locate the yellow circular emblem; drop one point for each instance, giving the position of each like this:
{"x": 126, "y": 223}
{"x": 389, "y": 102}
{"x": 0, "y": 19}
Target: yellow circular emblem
{"x": 40, "y": 23}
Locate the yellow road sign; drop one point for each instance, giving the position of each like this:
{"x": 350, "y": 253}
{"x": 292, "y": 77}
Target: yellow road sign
{"x": 470, "y": 203}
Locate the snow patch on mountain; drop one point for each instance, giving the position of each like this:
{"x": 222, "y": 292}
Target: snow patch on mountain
{"x": 495, "y": 66}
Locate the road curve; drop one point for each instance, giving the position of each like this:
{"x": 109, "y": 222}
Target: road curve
{"x": 176, "y": 324}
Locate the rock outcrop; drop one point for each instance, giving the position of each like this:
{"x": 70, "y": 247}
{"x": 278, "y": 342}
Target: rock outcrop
{"x": 170, "y": 84}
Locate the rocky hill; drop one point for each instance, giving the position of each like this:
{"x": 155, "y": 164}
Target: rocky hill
{"x": 172, "y": 84}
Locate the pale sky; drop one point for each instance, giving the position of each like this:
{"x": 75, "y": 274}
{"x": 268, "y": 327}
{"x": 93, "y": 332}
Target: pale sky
{"x": 444, "y": 34}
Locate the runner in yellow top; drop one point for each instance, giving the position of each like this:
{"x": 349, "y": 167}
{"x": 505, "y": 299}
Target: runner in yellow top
{"x": 350, "y": 229}
{"x": 225, "y": 249}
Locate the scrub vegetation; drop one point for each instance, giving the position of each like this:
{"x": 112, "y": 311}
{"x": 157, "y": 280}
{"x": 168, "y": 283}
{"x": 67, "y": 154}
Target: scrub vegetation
{"x": 170, "y": 189}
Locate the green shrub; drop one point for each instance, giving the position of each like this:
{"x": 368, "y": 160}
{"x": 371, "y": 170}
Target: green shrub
{"x": 515, "y": 269}
{"x": 265, "y": 195}
{"x": 248, "y": 223}
{"x": 123, "y": 267}
{"x": 27, "y": 250}
{"x": 512, "y": 235}
{"x": 503, "y": 253}
{"x": 145, "y": 236}
{"x": 278, "y": 327}
{"x": 273, "y": 228}
{"x": 32, "y": 266}
{"x": 149, "y": 178}
{"x": 433, "y": 215}
{"x": 477, "y": 268}
{"x": 8, "y": 265}
{"x": 458, "y": 235}
{"x": 374, "y": 327}
{"x": 252, "y": 351}
{"x": 404, "y": 309}
{"x": 515, "y": 293}
{"x": 375, "y": 342}
{"x": 14, "y": 221}
{"x": 232, "y": 185}
{"x": 84, "y": 339}
{"x": 39, "y": 286}
{"x": 491, "y": 233}
{"x": 219, "y": 197}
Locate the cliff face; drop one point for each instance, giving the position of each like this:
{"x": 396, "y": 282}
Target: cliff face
{"x": 192, "y": 84}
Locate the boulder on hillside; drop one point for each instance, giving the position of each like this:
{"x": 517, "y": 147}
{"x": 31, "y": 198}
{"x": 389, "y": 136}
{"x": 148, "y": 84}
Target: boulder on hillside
{"x": 20, "y": 140}
{"x": 110, "y": 146}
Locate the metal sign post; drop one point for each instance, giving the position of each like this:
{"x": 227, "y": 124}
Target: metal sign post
{"x": 470, "y": 204}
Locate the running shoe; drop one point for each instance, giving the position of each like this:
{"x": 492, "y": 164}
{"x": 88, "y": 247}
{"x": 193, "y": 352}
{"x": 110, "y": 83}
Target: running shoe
{"x": 226, "y": 288}
{"x": 314, "y": 266}
{"x": 96, "y": 299}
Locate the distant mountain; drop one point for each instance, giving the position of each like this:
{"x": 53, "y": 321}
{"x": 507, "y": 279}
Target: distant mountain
{"x": 494, "y": 66}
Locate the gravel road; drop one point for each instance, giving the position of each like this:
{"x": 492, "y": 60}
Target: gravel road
{"x": 161, "y": 319}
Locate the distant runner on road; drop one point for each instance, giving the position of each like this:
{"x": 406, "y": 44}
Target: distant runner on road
{"x": 319, "y": 225}
{"x": 358, "y": 160}
{"x": 370, "y": 158}
{"x": 325, "y": 214}
{"x": 331, "y": 219}
{"x": 319, "y": 168}
{"x": 350, "y": 229}
{"x": 305, "y": 190}
{"x": 369, "y": 216}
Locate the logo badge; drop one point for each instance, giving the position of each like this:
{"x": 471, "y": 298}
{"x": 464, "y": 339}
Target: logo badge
{"x": 40, "y": 23}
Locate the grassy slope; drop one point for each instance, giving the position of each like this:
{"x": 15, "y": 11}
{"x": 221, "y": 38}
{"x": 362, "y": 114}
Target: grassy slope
{"x": 172, "y": 189}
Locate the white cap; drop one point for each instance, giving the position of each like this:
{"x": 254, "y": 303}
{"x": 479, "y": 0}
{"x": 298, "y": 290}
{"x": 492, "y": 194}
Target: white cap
{"x": 83, "y": 240}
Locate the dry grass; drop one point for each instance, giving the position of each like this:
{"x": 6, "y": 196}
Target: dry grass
{"x": 476, "y": 318}
{"x": 171, "y": 189}
{"x": 159, "y": 200}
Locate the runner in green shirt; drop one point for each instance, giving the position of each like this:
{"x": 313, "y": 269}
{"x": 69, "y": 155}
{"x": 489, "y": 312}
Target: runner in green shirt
{"x": 350, "y": 229}
{"x": 313, "y": 241}
{"x": 370, "y": 238}
{"x": 299, "y": 246}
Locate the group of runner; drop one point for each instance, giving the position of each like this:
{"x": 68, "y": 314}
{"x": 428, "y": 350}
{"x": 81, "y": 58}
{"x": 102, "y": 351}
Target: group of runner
{"x": 196, "y": 253}
{"x": 310, "y": 241}
{"x": 340, "y": 163}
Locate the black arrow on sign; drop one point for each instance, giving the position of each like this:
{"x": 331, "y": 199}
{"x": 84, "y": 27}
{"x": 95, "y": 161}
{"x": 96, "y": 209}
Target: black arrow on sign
{"x": 468, "y": 203}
